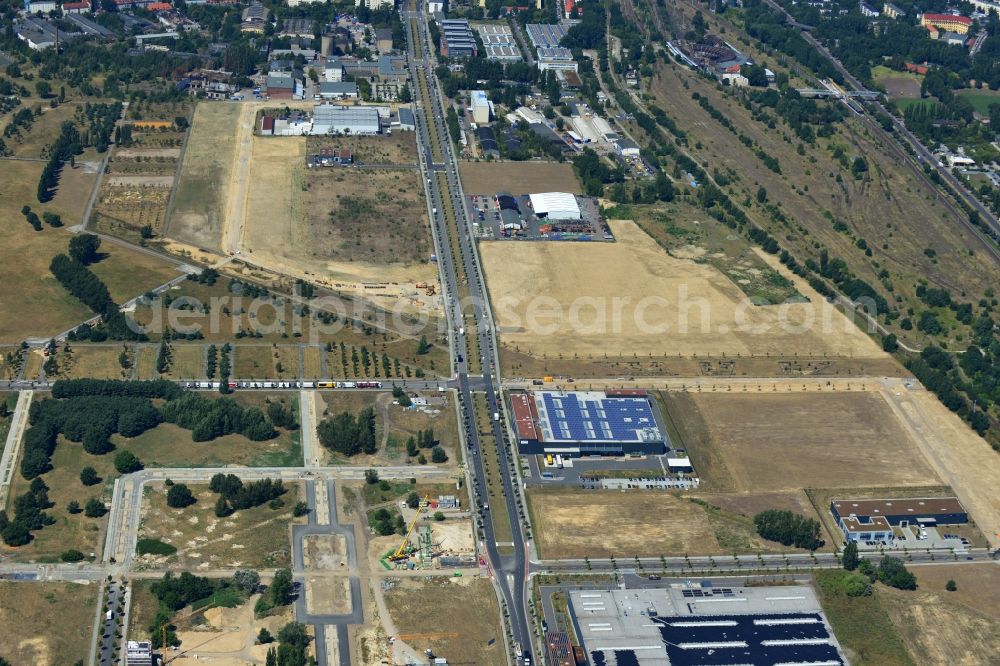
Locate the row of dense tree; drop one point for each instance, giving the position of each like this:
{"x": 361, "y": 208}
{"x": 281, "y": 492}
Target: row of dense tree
{"x": 208, "y": 419}
{"x": 788, "y": 529}
{"x": 238, "y": 495}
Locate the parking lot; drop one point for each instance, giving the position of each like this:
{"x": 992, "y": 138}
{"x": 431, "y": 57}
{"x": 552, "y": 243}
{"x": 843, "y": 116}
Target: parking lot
{"x": 493, "y": 224}
{"x": 919, "y": 538}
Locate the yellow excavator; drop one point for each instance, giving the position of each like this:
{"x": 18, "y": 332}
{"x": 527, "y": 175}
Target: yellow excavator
{"x": 402, "y": 553}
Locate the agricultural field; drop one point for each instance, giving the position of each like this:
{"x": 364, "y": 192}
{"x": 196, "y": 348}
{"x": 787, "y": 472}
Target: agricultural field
{"x": 630, "y": 298}
{"x": 766, "y": 442}
{"x": 399, "y": 148}
{"x": 46, "y": 623}
{"x": 203, "y": 184}
{"x": 259, "y": 537}
{"x": 941, "y": 627}
{"x": 394, "y": 425}
{"x": 823, "y": 205}
{"x": 574, "y": 524}
{"x": 29, "y": 285}
{"x": 342, "y": 225}
{"x": 518, "y": 177}
{"x": 457, "y": 617}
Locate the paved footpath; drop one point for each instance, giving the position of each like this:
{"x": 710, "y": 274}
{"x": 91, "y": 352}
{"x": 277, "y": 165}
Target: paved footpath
{"x": 18, "y": 424}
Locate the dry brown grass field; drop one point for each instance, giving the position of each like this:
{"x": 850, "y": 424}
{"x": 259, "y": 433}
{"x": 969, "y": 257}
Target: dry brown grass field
{"x": 519, "y": 364}
{"x": 399, "y": 148}
{"x": 574, "y": 524}
{"x": 259, "y": 537}
{"x": 686, "y": 232}
{"x": 960, "y": 628}
{"x": 343, "y": 225}
{"x": 786, "y": 441}
{"x": 464, "y": 608}
{"x": 199, "y": 205}
{"x": 90, "y": 361}
{"x": 518, "y": 177}
{"x": 880, "y": 207}
{"x": 29, "y": 285}
{"x": 46, "y": 624}
{"x": 597, "y": 291}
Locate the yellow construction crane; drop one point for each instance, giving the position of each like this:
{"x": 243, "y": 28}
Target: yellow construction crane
{"x": 401, "y": 553}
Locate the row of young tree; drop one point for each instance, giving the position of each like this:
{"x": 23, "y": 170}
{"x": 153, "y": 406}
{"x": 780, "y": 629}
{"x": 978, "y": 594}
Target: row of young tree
{"x": 74, "y": 275}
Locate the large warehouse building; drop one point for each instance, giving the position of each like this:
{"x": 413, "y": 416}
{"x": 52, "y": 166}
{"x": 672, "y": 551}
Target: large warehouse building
{"x": 702, "y": 625}
{"x": 330, "y": 119}
{"x": 587, "y": 423}
{"x": 555, "y": 206}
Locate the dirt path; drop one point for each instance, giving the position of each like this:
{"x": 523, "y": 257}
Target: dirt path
{"x": 962, "y": 458}
{"x": 401, "y": 652}
{"x": 234, "y": 221}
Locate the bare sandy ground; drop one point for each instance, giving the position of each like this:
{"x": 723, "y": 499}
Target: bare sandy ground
{"x": 631, "y": 297}
{"x": 962, "y": 458}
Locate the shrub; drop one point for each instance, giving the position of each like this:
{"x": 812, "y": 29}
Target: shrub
{"x": 71, "y": 555}
{"x": 88, "y": 476}
{"x": 951, "y": 586}
{"x": 126, "y": 462}
{"x": 179, "y": 496}
{"x": 154, "y": 547}
{"x": 893, "y": 573}
{"x": 94, "y": 508}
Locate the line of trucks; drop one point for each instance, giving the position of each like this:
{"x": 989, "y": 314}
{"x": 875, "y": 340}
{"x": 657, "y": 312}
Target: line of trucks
{"x": 286, "y": 385}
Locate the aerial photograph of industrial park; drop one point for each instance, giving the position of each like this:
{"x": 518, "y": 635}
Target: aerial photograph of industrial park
{"x": 500, "y": 333}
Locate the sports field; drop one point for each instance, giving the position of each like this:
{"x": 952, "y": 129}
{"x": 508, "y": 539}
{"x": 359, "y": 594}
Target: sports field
{"x": 767, "y": 442}
{"x": 602, "y": 300}
{"x": 518, "y": 177}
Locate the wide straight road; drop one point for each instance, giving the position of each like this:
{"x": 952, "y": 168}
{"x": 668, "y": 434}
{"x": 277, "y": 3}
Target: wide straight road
{"x": 433, "y": 139}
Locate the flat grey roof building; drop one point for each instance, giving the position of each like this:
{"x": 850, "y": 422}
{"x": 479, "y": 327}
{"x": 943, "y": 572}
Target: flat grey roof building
{"x": 329, "y": 119}
{"x": 692, "y": 624}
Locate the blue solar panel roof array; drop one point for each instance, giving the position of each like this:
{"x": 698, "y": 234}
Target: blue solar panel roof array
{"x": 594, "y": 417}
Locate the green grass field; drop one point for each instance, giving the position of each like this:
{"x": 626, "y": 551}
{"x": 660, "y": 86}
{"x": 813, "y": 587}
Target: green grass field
{"x": 861, "y": 624}
{"x": 981, "y": 99}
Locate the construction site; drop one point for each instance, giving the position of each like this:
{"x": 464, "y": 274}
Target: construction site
{"x": 432, "y": 541}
